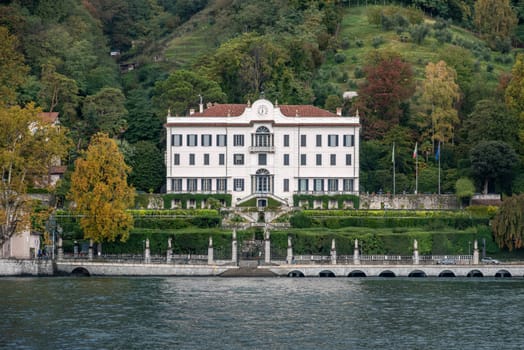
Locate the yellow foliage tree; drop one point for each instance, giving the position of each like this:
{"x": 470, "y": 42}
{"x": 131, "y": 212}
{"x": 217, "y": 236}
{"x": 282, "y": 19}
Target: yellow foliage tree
{"x": 28, "y": 147}
{"x": 439, "y": 96}
{"x": 100, "y": 191}
{"x": 495, "y": 18}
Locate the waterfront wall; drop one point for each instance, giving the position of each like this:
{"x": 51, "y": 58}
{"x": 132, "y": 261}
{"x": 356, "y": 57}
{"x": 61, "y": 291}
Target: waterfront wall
{"x": 26, "y": 267}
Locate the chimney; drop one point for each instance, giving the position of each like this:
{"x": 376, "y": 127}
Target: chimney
{"x": 339, "y": 111}
{"x": 191, "y": 111}
{"x": 200, "y": 105}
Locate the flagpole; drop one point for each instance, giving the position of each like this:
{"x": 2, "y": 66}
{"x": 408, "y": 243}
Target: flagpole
{"x": 393, "y": 159}
{"x": 438, "y": 150}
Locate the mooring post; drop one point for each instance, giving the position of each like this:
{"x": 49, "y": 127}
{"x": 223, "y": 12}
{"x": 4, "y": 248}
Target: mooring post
{"x": 234, "y": 247}
{"x": 475, "y": 252}
{"x": 333, "y": 252}
{"x": 267, "y": 246}
{"x": 289, "y": 258}
{"x": 90, "y": 252}
{"x": 416, "y": 259}
{"x": 210, "y": 251}
{"x": 60, "y": 254}
{"x": 356, "y": 254}
{"x": 169, "y": 256}
{"x": 147, "y": 252}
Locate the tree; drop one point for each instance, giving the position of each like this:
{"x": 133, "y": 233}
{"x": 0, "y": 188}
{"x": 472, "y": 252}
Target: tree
{"x": 508, "y": 223}
{"x": 148, "y": 169}
{"x": 515, "y": 93}
{"x": 491, "y": 161}
{"x": 28, "y": 146}
{"x": 495, "y": 20}
{"x": 12, "y": 68}
{"x": 100, "y": 191}
{"x": 440, "y": 93}
{"x": 57, "y": 89}
{"x": 388, "y": 86}
{"x": 464, "y": 189}
{"x": 491, "y": 121}
{"x": 105, "y": 111}
{"x": 181, "y": 90}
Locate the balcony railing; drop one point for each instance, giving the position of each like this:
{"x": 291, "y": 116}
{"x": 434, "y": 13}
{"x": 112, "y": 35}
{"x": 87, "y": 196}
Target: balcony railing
{"x": 262, "y": 149}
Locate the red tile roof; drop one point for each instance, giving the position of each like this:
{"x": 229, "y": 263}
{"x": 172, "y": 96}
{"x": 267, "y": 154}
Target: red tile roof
{"x": 57, "y": 169}
{"x": 48, "y": 117}
{"x": 234, "y": 110}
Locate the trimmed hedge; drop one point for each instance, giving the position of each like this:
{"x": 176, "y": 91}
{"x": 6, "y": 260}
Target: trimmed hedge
{"x": 341, "y": 198}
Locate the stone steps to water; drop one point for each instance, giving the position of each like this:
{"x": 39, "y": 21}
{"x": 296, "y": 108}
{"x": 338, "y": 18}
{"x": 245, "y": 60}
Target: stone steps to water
{"x": 248, "y": 272}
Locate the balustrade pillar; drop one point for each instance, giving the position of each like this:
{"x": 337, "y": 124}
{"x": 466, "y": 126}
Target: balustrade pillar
{"x": 356, "y": 254}
{"x": 267, "y": 246}
{"x": 333, "y": 252}
{"x": 90, "y": 253}
{"x": 169, "y": 253}
{"x": 60, "y": 254}
{"x": 289, "y": 257}
{"x": 475, "y": 253}
{"x": 234, "y": 247}
{"x": 416, "y": 259}
{"x": 147, "y": 253}
{"x": 210, "y": 251}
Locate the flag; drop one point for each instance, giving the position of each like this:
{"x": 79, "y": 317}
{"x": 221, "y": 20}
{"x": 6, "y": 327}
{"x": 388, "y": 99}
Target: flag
{"x": 393, "y": 154}
{"x": 415, "y": 151}
{"x": 437, "y": 155}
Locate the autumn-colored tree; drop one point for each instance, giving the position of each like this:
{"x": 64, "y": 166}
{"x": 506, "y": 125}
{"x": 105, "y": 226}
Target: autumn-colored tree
{"x": 389, "y": 84}
{"x": 508, "y": 223}
{"x": 495, "y": 20}
{"x": 100, "y": 191}
{"x": 12, "y": 69}
{"x": 28, "y": 146}
{"x": 440, "y": 93}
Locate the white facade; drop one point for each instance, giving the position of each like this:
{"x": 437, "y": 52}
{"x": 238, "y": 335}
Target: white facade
{"x": 263, "y": 151}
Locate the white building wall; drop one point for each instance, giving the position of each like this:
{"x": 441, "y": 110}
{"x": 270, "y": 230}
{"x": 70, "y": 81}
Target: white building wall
{"x": 278, "y": 125}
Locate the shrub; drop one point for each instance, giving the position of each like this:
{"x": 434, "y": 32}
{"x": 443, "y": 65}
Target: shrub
{"x": 418, "y": 33}
{"x": 299, "y": 220}
{"x": 377, "y": 41}
{"x": 358, "y": 73}
{"x": 340, "y": 58}
{"x": 359, "y": 43}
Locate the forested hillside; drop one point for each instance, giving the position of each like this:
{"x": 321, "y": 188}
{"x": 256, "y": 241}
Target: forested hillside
{"x": 427, "y": 73}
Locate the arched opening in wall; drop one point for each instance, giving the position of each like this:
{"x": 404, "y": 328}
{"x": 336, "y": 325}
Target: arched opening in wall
{"x": 80, "y": 272}
{"x": 446, "y": 273}
{"x": 417, "y": 273}
{"x": 326, "y": 273}
{"x": 295, "y": 273}
{"x": 387, "y": 273}
{"x": 475, "y": 273}
{"x": 357, "y": 273}
{"x": 503, "y": 274}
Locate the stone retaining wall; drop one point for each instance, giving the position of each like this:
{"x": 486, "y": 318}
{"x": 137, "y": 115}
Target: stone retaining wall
{"x": 19, "y": 267}
{"x": 409, "y": 201}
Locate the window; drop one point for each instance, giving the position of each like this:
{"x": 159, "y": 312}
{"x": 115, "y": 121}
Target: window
{"x": 238, "y": 140}
{"x": 318, "y": 185}
{"x": 262, "y": 159}
{"x": 348, "y": 185}
{"x": 319, "y": 140}
{"x": 302, "y": 159}
{"x": 238, "y": 159}
{"x": 176, "y": 159}
{"x": 303, "y": 140}
{"x": 176, "y": 185}
{"x": 206, "y": 140}
{"x": 348, "y": 159}
{"x": 286, "y": 185}
{"x": 191, "y": 159}
{"x": 221, "y": 140}
{"x": 192, "y": 185}
{"x": 263, "y": 137}
{"x": 286, "y": 140}
{"x": 333, "y": 140}
{"x": 221, "y": 185}
{"x": 192, "y": 140}
{"x": 221, "y": 159}
{"x": 206, "y": 185}
{"x": 333, "y": 159}
{"x": 238, "y": 185}
{"x": 176, "y": 140}
{"x": 319, "y": 159}
{"x": 332, "y": 185}
{"x": 206, "y": 158}
{"x": 349, "y": 140}
{"x": 286, "y": 159}
{"x": 303, "y": 185}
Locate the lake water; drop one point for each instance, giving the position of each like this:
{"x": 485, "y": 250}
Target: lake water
{"x": 261, "y": 313}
